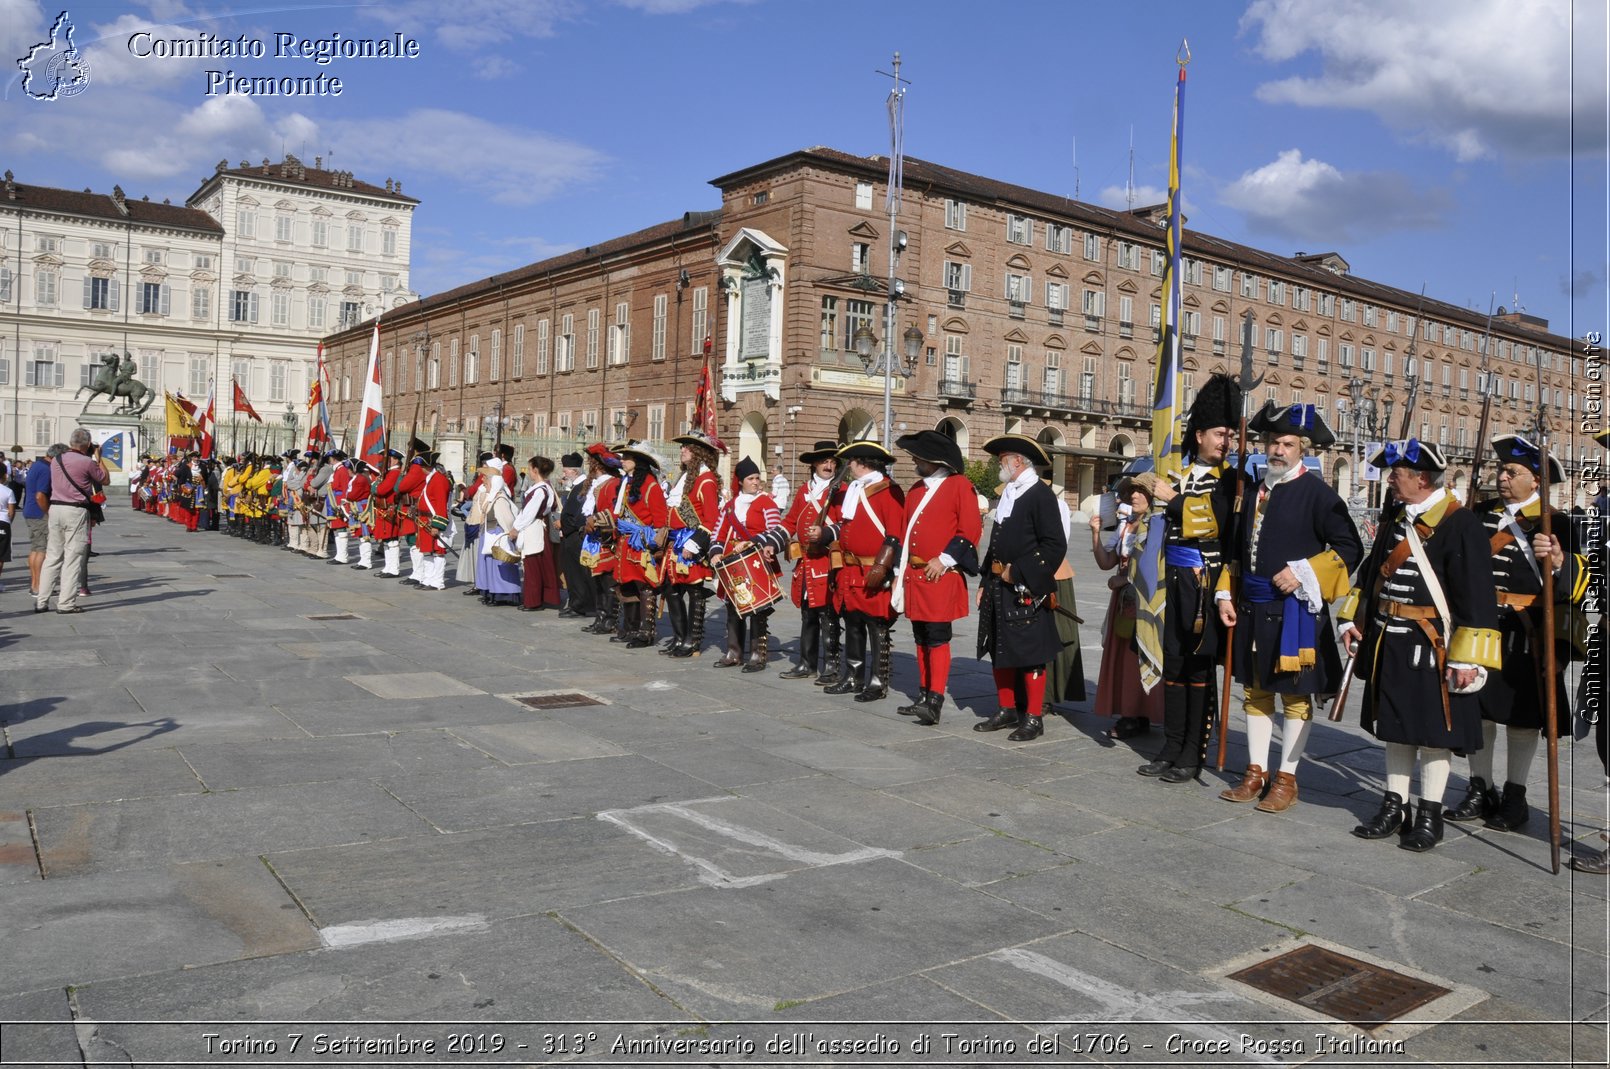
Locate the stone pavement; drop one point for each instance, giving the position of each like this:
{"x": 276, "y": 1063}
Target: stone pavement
{"x": 216, "y": 806}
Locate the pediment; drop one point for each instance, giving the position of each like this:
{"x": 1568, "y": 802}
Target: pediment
{"x": 745, "y": 244}
{"x": 864, "y": 229}
{"x": 1274, "y": 319}
{"x": 954, "y": 325}
{"x": 1093, "y": 348}
{"x": 1056, "y": 341}
{"x": 97, "y": 266}
{"x": 1126, "y": 353}
{"x": 1190, "y": 364}
{"x": 1301, "y": 324}
{"x": 1221, "y": 305}
{"x": 1093, "y": 277}
{"x": 1056, "y": 271}
{"x": 1346, "y": 335}
{"x": 1016, "y": 336}
{"x": 153, "y": 274}
{"x": 1128, "y": 286}
{"x": 1272, "y": 379}
{"x": 958, "y": 249}
{"x": 1191, "y": 301}
{"x": 1019, "y": 262}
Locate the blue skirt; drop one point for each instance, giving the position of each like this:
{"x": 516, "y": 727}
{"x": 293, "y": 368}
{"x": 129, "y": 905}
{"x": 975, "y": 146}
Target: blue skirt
{"x": 494, "y": 576}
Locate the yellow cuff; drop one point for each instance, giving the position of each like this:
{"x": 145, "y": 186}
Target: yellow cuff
{"x": 1331, "y": 571}
{"x": 1349, "y": 607}
{"x": 1477, "y": 645}
{"x": 1224, "y": 578}
{"x": 1197, "y": 519}
{"x": 1581, "y": 574}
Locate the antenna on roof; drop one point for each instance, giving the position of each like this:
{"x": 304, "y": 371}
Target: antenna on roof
{"x": 1075, "y": 168}
{"x": 1515, "y": 305}
{"x": 1129, "y": 186}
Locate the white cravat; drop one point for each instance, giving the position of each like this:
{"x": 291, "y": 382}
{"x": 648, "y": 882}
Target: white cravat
{"x": 857, "y": 493}
{"x": 1014, "y": 490}
{"x": 589, "y": 504}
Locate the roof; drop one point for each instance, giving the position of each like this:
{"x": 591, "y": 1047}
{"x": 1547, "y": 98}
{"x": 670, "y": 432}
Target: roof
{"x": 920, "y": 175}
{"x": 687, "y": 223}
{"x": 106, "y": 206}
{"x": 293, "y": 172}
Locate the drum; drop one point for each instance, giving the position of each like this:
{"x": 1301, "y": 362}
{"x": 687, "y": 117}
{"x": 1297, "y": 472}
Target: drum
{"x": 747, "y": 581}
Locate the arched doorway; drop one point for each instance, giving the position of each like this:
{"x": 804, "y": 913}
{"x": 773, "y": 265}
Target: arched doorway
{"x": 1342, "y": 478}
{"x": 853, "y": 425}
{"x": 752, "y": 441}
{"x": 956, "y": 430}
{"x": 1122, "y": 444}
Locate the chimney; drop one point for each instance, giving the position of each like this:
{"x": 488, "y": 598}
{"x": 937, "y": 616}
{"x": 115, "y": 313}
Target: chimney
{"x": 11, "y": 186}
{"x": 388, "y": 185}
{"x": 398, "y": 190}
{"x": 318, "y": 162}
{"x": 118, "y": 199}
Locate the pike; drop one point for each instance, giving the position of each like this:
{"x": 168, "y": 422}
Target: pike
{"x": 1408, "y": 354}
{"x": 1550, "y": 666}
{"x": 1484, "y": 382}
{"x": 1249, "y": 382}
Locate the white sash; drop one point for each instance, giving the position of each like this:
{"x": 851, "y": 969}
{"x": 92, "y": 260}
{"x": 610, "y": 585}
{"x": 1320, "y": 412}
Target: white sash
{"x": 897, "y": 597}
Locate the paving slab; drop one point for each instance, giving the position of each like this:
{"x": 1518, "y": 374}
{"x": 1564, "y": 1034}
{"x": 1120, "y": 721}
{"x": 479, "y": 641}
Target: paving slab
{"x": 1014, "y": 811}
{"x": 384, "y": 715}
{"x": 726, "y": 763}
{"x": 986, "y": 859}
{"x": 227, "y": 766}
{"x": 537, "y": 740}
{"x": 39, "y": 1028}
{"x": 866, "y": 816}
{"x": 131, "y": 773}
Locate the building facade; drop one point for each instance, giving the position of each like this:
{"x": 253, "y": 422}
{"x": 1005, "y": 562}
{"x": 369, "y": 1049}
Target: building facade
{"x": 241, "y": 282}
{"x": 1024, "y": 311}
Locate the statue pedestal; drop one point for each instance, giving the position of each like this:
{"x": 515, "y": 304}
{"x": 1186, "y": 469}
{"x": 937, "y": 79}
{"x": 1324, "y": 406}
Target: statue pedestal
{"x": 119, "y": 438}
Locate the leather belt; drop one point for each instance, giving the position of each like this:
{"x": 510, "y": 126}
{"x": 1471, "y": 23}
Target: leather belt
{"x": 1408, "y": 612}
{"x": 1516, "y": 601}
{"x": 996, "y": 567}
{"x": 858, "y": 561}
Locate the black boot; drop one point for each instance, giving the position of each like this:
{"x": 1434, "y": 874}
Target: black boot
{"x": 918, "y": 704}
{"x": 1481, "y": 802}
{"x": 735, "y": 640}
{"x": 929, "y": 714}
{"x": 1006, "y": 718}
{"x": 696, "y": 612}
{"x": 676, "y": 607}
{"x": 1155, "y": 768}
{"x": 1388, "y": 819}
{"x": 832, "y": 652}
{"x": 1031, "y": 728}
{"x": 853, "y": 656}
{"x": 759, "y": 632}
{"x": 1513, "y": 811}
{"x": 629, "y": 619}
{"x": 878, "y": 656}
{"x": 810, "y": 640}
{"x": 648, "y": 623}
{"x": 1427, "y": 830}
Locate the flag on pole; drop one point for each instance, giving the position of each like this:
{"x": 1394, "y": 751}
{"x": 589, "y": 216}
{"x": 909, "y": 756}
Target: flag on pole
{"x": 207, "y": 424}
{"x": 181, "y": 416}
{"x": 372, "y": 423}
{"x": 243, "y": 405}
{"x": 318, "y": 429}
{"x": 1167, "y": 408}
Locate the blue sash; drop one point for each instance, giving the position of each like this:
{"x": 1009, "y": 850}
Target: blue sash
{"x": 1298, "y": 627}
{"x": 1183, "y": 556}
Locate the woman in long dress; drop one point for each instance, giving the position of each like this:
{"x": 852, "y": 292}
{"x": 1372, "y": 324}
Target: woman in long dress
{"x": 1118, "y": 690}
{"x": 540, "y": 586}
{"x": 498, "y": 580}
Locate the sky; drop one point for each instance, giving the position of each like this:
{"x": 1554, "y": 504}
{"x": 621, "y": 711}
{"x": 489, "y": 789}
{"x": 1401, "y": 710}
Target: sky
{"x": 1457, "y": 145}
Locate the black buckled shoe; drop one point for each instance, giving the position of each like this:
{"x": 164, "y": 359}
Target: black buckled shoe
{"x": 1179, "y": 774}
{"x": 1481, "y": 802}
{"x": 1512, "y": 811}
{"x": 1031, "y": 728}
{"x": 1427, "y": 831}
{"x": 916, "y": 706}
{"x": 1006, "y": 718}
{"x": 928, "y": 715}
{"x": 1388, "y": 819}
{"x": 1155, "y": 768}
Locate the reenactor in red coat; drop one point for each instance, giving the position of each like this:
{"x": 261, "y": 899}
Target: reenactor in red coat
{"x": 360, "y": 516}
{"x": 388, "y": 523}
{"x": 867, "y": 532}
{"x": 640, "y": 536}
{"x": 340, "y": 525}
{"x": 812, "y": 588}
{"x": 940, "y": 547}
{"x": 434, "y": 523}
{"x": 409, "y": 485}
{"x": 598, "y": 548}
{"x": 751, "y": 518}
{"x": 694, "y": 509}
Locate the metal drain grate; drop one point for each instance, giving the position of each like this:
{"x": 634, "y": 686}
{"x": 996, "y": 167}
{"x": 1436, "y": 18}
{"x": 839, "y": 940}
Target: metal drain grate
{"x": 231, "y": 575}
{"x": 336, "y": 616}
{"x": 1343, "y": 988}
{"x": 558, "y": 701}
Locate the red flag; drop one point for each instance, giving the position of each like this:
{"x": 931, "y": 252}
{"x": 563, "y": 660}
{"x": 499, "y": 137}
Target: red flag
{"x": 372, "y": 423}
{"x": 206, "y": 424}
{"x": 243, "y": 405}
{"x": 318, "y": 430}
{"x": 189, "y": 407}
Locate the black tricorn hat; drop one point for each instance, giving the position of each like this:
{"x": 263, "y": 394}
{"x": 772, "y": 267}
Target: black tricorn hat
{"x": 418, "y": 446}
{"x": 870, "y": 451}
{"x": 935, "y": 447}
{"x": 1515, "y": 449}
{"x": 821, "y": 451}
{"x": 1304, "y": 421}
{"x": 746, "y": 468}
{"x": 1410, "y": 453}
{"x": 1022, "y": 445}
{"x": 570, "y": 460}
{"x": 1217, "y": 404}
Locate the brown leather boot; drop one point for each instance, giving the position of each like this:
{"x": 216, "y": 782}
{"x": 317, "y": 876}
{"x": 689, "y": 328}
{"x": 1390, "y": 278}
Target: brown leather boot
{"x": 1250, "y": 789}
{"x": 1282, "y": 794}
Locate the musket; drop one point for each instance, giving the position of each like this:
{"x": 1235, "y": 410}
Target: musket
{"x": 1551, "y": 692}
{"x": 1339, "y": 699}
{"x": 1248, "y": 384}
{"x": 1484, "y": 383}
{"x": 1408, "y": 354}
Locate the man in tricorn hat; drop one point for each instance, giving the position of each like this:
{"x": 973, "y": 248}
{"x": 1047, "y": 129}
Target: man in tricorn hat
{"x": 1199, "y": 514}
{"x": 387, "y": 520}
{"x": 598, "y": 546}
{"x": 813, "y": 570}
{"x": 1430, "y": 638}
{"x": 867, "y": 527}
{"x": 1016, "y": 624}
{"x": 1296, "y": 545}
{"x": 940, "y": 548}
{"x": 409, "y": 483}
{"x": 1514, "y": 695}
{"x": 694, "y": 506}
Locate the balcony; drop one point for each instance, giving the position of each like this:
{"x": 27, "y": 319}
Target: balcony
{"x": 1126, "y": 330}
{"x": 1054, "y": 317}
{"x": 957, "y": 299}
{"x": 1018, "y": 310}
{"x": 1092, "y": 323}
{"x": 957, "y": 391}
{"x": 1089, "y": 406}
{"x": 1188, "y": 341}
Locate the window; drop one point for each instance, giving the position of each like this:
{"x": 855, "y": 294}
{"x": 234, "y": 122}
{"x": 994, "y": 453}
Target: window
{"x": 564, "y": 348}
{"x": 1092, "y": 247}
{"x": 44, "y": 286}
{"x": 594, "y": 318}
{"x": 1193, "y": 272}
{"x": 494, "y": 366}
{"x": 1126, "y": 384}
{"x": 45, "y": 370}
{"x": 1221, "y": 279}
{"x": 1094, "y": 305}
{"x": 1327, "y": 304}
{"x": 155, "y": 257}
{"x": 5, "y": 366}
{"x": 620, "y": 335}
{"x": 1391, "y": 322}
{"x": 517, "y": 356}
{"x": 958, "y": 277}
{"x": 1299, "y": 347}
{"x": 355, "y": 278}
{"x": 860, "y": 257}
{"x": 154, "y": 298}
{"x": 1302, "y": 298}
{"x": 1052, "y": 382}
{"x": 100, "y": 293}
{"x": 701, "y": 312}
{"x": 1322, "y": 353}
{"x": 857, "y": 314}
{"x": 321, "y": 234}
{"x": 657, "y": 340}
{"x": 102, "y": 250}
{"x": 760, "y": 198}
{"x": 1019, "y": 288}
{"x": 350, "y": 313}
{"x": 955, "y": 215}
{"x": 43, "y": 430}
{"x": 200, "y": 301}
{"x": 1274, "y": 340}
{"x": 5, "y": 285}
{"x": 435, "y": 379}
{"x": 315, "y": 312}
{"x": 1059, "y": 238}
{"x": 47, "y": 243}
{"x": 1056, "y": 296}
{"x": 656, "y": 423}
{"x": 200, "y": 372}
{"x": 1371, "y": 314}
{"x": 1126, "y": 316}
{"x": 472, "y": 362}
{"x": 1129, "y": 255}
{"x": 246, "y": 223}
{"x": 863, "y": 199}
{"x": 282, "y": 227}
{"x": 242, "y": 306}
{"x": 1087, "y": 379}
{"x": 542, "y": 347}
{"x": 354, "y": 237}
{"x": 957, "y": 369}
{"x": 1345, "y": 356}
{"x": 1249, "y": 286}
{"x": 1277, "y": 291}
{"x": 828, "y": 334}
{"x": 1367, "y": 359}
{"x": 1347, "y": 310}
{"x": 151, "y": 368}
{"x": 1190, "y": 328}
{"x": 280, "y": 309}
{"x": 1019, "y": 229}
{"x": 1159, "y": 261}
{"x": 388, "y": 241}
{"x": 1014, "y": 367}
{"x": 388, "y": 283}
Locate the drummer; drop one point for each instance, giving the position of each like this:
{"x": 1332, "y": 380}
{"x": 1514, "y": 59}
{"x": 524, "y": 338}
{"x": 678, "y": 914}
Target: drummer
{"x": 751, "y": 520}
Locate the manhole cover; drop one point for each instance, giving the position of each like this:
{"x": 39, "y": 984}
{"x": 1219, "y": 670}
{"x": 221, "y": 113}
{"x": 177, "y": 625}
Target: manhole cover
{"x": 336, "y": 616}
{"x": 1343, "y": 988}
{"x": 231, "y": 575}
{"x": 558, "y": 701}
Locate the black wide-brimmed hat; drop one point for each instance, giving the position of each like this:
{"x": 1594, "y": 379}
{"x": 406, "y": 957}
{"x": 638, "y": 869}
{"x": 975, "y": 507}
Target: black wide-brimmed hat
{"x": 821, "y": 451}
{"x": 746, "y": 468}
{"x": 697, "y": 437}
{"x": 1410, "y": 453}
{"x": 642, "y": 453}
{"x": 1022, "y": 445}
{"x": 864, "y": 450}
{"x": 1515, "y": 449}
{"x": 935, "y": 447}
{"x": 418, "y": 446}
{"x": 1304, "y": 421}
{"x": 570, "y": 460}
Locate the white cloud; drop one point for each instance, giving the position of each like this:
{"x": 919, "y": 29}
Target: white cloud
{"x": 474, "y": 25}
{"x": 1117, "y": 198}
{"x": 1312, "y": 201}
{"x": 1479, "y": 77}
{"x": 521, "y": 166}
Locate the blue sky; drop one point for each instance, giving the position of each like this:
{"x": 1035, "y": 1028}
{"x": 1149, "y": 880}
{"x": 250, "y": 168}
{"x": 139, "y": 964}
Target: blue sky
{"x": 1444, "y": 142}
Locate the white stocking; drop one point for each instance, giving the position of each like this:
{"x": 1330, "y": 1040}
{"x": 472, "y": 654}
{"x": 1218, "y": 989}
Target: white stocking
{"x": 1434, "y": 766}
{"x": 1481, "y": 762}
{"x": 1293, "y": 738}
{"x": 1399, "y": 767}
{"x": 1260, "y": 732}
{"x": 1522, "y": 749}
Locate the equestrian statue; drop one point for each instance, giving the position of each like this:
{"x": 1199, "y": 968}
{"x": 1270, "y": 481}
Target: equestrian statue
{"x": 115, "y": 378}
